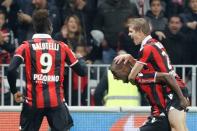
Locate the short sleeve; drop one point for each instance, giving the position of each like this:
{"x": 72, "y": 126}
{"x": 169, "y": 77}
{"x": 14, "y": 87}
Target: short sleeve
{"x": 71, "y": 59}
{"x": 20, "y": 51}
{"x": 144, "y": 55}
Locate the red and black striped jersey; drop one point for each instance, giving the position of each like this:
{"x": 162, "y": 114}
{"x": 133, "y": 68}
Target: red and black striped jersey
{"x": 44, "y": 60}
{"x": 154, "y": 92}
{"x": 155, "y": 58}
{"x": 155, "y": 96}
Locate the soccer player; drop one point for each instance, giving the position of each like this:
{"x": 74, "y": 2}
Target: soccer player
{"x": 44, "y": 60}
{"x": 153, "y": 57}
{"x": 146, "y": 83}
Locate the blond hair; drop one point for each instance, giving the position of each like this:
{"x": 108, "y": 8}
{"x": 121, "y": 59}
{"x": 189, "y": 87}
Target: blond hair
{"x": 140, "y": 24}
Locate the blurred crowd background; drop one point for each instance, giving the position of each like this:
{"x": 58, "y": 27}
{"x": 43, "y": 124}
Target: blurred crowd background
{"x": 98, "y": 28}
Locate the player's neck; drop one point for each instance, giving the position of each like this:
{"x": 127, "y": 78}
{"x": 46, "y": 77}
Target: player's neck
{"x": 143, "y": 38}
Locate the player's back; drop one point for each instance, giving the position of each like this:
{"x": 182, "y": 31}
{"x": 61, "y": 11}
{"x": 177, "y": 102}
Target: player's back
{"x": 43, "y": 71}
{"x": 44, "y": 61}
{"x": 44, "y": 58}
{"x": 158, "y": 58}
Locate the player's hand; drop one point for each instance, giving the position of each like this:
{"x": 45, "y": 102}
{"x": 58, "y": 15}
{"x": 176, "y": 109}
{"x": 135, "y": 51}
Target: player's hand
{"x": 18, "y": 97}
{"x": 124, "y": 57}
{"x": 184, "y": 102}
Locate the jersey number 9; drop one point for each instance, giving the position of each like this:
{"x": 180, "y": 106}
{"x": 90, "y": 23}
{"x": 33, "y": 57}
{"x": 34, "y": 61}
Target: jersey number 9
{"x": 46, "y": 62}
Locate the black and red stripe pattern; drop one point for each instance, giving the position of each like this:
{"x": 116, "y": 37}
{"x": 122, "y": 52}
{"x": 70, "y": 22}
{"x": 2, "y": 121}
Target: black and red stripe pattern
{"x": 156, "y": 59}
{"x": 44, "y": 61}
{"x": 155, "y": 97}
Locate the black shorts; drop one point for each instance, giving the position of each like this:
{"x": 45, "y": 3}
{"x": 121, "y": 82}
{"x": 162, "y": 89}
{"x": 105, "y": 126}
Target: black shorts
{"x": 59, "y": 118}
{"x": 160, "y": 123}
{"x": 173, "y": 101}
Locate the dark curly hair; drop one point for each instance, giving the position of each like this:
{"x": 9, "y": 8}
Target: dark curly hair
{"x": 41, "y": 21}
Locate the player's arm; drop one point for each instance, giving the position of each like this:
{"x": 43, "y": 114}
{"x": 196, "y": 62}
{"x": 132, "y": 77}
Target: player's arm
{"x": 12, "y": 73}
{"x": 80, "y": 67}
{"x": 77, "y": 64}
{"x": 171, "y": 82}
{"x": 144, "y": 57}
{"x": 135, "y": 70}
{"x": 12, "y": 76}
{"x": 168, "y": 79}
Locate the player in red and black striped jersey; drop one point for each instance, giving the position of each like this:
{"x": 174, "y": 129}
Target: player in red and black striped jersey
{"x": 151, "y": 84}
{"x": 153, "y": 57}
{"x": 44, "y": 60}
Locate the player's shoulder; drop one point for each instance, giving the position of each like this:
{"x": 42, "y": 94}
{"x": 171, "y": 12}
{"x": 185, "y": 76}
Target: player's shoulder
{"x": 158, "y": 45}
{"x": 24, "y": 44}
{"x": 59, "y": 42}
{"x": 147, "y": 47}
{"x": 151, "y": 46}
{"x": 154, "y": 44}
{"x": 63, "y": 45}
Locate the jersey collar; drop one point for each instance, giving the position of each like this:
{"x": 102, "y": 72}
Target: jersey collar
{"x": 146, "y": 39}
{"x": 41, "y": 36}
